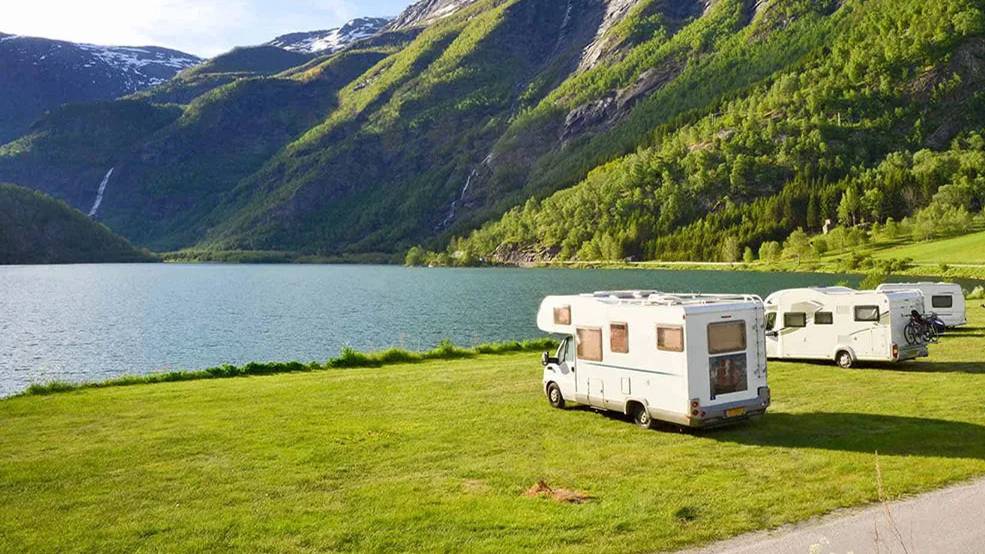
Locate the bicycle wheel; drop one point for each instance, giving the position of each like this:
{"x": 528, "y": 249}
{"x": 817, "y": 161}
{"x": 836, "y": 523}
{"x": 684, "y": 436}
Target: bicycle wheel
{"x": 911, "y": 333}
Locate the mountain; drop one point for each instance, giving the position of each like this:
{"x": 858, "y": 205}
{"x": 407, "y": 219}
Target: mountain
{"x": 37, "y": 229}
{"x": 38, "y": 74}
{"x": 542, "y": 129}
{"x": 426, "y": 12}
{"x": 331, "y": 40}
{"x": 238, "y": 63}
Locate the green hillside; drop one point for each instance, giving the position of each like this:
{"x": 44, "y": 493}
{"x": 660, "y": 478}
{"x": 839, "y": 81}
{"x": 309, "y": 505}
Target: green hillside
{"x": 887, "y": 104}
{"x": 965, "y": 249}
{"x": 558, "y": 129}
{"x": 37, "y": 229}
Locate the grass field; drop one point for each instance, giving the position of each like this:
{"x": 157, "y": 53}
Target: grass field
{"x": 964, "y": 249}
{"x": 436, "y": 456}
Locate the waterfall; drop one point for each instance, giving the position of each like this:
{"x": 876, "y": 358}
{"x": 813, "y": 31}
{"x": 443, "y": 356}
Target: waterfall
{"x": 99, "y": 193}
{"x": 461, "y": 196}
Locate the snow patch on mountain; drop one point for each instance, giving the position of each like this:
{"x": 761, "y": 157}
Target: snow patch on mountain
{"x": 137, "y": 67}
{"x": 144, "y": 66}
{"x": 331, "y": 40}
{"x": 426, "y": 12}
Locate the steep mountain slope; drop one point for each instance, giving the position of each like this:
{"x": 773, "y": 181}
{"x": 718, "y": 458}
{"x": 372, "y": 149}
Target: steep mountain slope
{"x": 38, "y": 74}
{"x": 601, "y": 128}
{"x": 37, "y": 229}
{"x": 882, "y": 88}
{"x": 331, "y": 40}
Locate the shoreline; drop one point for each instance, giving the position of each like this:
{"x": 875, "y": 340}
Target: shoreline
{"x": 347, "y": 359}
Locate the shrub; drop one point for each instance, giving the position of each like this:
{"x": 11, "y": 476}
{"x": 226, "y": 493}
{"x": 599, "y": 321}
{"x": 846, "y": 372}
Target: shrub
{"x": 873, "y": 279}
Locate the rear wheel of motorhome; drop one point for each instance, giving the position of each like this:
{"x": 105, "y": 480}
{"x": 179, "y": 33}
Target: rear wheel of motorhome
{"x": 554, "y": 396}
{"x": 642, "y": 417}
{"x": 844, "y": 359}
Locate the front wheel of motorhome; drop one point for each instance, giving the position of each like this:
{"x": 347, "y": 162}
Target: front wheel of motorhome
{"x": 554, "y": 396}
{"x": 844, "y": 359}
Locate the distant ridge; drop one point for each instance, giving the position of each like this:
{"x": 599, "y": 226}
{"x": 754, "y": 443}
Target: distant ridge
{"x": 39, "y": 74}
{"x": 331, "y": 40}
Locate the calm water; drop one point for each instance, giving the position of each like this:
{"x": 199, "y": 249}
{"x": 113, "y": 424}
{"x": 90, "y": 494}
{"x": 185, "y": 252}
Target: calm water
{"x": 92, "y": 322}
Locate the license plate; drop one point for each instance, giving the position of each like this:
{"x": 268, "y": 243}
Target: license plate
{"x": 735, "y": 412}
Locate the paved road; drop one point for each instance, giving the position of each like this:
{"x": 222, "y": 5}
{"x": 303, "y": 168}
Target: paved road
{"x": 950, "y": 520}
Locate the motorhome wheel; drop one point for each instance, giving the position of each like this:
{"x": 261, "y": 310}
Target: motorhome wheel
{"x": 554, "y": 396}
{"x": 844, "y": 359}
{"x": 642, "y": 418}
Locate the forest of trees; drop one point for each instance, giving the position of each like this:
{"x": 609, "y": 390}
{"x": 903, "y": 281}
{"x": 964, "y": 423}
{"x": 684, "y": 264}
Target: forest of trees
{"x": 880, "y": 129}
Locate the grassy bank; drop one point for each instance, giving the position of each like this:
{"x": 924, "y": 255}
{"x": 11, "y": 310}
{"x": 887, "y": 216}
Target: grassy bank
{"x": 961, "y": 257}
{"x": 437, "y": 455}
{"x": 349, "y": 358}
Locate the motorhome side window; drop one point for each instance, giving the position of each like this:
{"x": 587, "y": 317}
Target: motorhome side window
{"x": 562, "y": 315}
{"x": 795, "y": 319}
{"x": 942, "y": 301}
{"x": 619, "y": 338}
{"x": 589, "y": 344}
{"x": 670, "y": 338}
{"x": 823, "y": 318}
{"x": 727, "y": 336}
{"x": 866, "y": 313}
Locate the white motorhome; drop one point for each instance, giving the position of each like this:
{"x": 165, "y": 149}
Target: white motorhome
{"x": 944, "y": 299}
{"x": 692, "y": 360}
{"x": 841, "y": 324}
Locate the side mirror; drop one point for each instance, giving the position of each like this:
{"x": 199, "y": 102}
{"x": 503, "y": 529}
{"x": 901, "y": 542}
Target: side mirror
{"x": 773, "y": 333}
{"x": 544, "y": 359}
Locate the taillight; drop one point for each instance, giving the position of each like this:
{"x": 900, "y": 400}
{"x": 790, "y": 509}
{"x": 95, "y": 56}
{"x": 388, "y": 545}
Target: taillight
{"x": 895, "y": 351}
{"x": 695, "y": 403}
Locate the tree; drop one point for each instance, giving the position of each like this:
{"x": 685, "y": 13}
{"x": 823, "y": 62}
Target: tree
{"x": 872, "y": 202}
{"x": 891, "y": 230}
{"x": 730, "y": 249}
{"x": 769, "y": 251}
{"x": 797, "y": 245}
{"x": 820, "y": 245}
{"x": 848, "y": 207}
{"x": 747, "y": 256}
{"x": 415, "y": 256}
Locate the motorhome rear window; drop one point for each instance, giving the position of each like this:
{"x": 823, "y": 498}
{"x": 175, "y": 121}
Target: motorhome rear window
{"x": 795, "y": 319}
{"x": 727, "y": 336}
{"x": 824, "y": 318}
{"x": 727, "y": 374}
{"x": 619, "y": 338}
{"x": 866, "y": 313}
{"x": 562, "y": 315}
{"x": 942, "y": 301}
{"x": 670, "y": 338}
{"x": 589, "y": 344}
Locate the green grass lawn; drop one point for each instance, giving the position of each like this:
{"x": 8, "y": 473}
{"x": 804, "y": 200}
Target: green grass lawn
{"x": 964, "y": 249}
{"x": 437, "y": 455}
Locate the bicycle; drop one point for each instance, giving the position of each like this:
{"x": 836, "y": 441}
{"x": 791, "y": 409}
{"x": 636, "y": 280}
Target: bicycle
{"x": 920, "y": 329}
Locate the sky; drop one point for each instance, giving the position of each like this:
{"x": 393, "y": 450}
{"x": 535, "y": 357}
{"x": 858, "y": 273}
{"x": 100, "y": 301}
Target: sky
{"x": 201, "y": 27}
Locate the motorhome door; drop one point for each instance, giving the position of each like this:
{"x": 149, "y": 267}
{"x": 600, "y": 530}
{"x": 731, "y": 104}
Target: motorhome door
{"x": 772, "y": 334}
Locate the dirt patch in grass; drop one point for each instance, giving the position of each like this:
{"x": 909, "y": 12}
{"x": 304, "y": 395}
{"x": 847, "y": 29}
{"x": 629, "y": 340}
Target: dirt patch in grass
{"x": 543, "y": 490}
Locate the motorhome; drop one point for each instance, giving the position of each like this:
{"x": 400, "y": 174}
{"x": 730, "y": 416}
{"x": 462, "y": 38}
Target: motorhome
{"x": 688, "y": 359}
{"x": 944, "y": 299}
{"x": 842, "y": 324}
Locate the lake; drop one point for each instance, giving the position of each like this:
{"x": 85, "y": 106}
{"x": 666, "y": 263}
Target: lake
{"x": 93, "y": 322}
